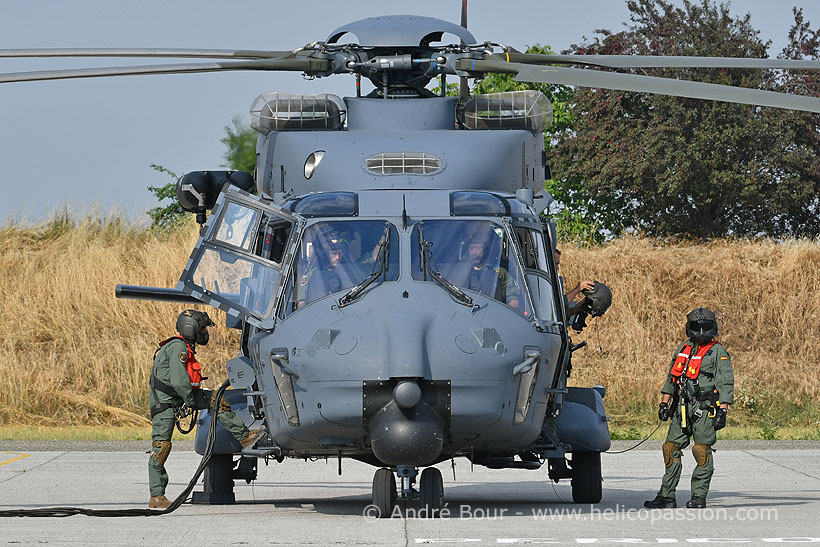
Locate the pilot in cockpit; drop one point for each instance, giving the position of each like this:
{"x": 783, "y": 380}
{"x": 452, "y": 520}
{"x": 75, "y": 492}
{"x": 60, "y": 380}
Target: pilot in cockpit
{"x": 485, "y": 274}
{"x": 327, "y": 270}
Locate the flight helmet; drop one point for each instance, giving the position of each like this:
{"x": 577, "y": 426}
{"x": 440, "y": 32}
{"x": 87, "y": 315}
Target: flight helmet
{"x": 701, "y": 325}
{"x": 190, "y": 324}
{"x": 598, "y": 299}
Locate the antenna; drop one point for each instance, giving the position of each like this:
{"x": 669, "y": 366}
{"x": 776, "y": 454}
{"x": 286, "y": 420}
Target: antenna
{"x": 463, "y": 88}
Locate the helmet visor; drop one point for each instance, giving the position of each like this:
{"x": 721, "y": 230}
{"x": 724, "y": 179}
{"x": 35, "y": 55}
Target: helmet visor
{"x": 694, "y": 326}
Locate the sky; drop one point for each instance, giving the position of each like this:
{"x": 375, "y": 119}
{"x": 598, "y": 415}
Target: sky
{"x": 88, "y": 144}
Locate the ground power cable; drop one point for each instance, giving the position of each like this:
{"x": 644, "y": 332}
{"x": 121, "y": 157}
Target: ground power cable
{"x": 581, "y": 445}
{"x": 182, "y": 498}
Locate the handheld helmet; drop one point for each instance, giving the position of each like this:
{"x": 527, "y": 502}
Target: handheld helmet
{"x": 598, "y": 299}
{"x": 190, "y": 324}
{"x": 701, "y": 325}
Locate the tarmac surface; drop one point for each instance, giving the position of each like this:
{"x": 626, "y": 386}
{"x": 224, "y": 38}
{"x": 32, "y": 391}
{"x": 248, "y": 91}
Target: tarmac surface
{"x": 763, "y": 492}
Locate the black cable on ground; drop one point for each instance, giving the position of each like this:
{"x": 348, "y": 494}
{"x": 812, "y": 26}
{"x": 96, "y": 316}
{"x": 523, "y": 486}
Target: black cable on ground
{"x": 607, "y": 451}
{"x": 69, "y": 511}
{"x": 639, "y": 444}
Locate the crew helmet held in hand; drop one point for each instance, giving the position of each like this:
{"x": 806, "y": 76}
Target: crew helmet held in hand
{"x": 701, "y": 325}
{"x": 598, "y": 299}
{"x": 190, "y": 324}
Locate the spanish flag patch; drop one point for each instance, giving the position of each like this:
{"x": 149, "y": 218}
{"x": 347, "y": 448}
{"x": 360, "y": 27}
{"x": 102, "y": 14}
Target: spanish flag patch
{"x": 723, "y": 358}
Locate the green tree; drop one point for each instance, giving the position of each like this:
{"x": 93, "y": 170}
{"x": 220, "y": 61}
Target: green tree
{"x": 800, "y": 160}
{"x": 165, "y": 217}
{"x": 240, "y": 140}
{"x": 673, "y": 166}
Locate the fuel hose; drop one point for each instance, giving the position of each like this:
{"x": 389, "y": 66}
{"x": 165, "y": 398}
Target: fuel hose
{"x": 69, "y": 511}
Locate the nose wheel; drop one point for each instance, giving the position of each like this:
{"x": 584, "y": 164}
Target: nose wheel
{"x": 384, "y": 492}
{"x": 431, "y": 492}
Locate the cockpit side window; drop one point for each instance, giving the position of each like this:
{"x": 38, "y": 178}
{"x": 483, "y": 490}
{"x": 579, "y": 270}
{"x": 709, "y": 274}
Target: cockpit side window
{"x": 334, "y": 256}
{"x": 531, "y": 243}
{"x": 272, "y": 240}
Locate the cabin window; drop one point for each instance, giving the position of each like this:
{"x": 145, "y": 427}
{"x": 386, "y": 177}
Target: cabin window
{"x": 477, "y": 203}
{"x": 330, "y": 204}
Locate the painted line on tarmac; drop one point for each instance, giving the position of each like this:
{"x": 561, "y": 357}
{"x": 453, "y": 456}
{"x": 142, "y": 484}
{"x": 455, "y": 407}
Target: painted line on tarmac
{"x": 19, "y": 455}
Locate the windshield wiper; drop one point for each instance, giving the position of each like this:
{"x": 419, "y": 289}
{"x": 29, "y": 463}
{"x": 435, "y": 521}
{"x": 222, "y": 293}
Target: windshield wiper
{"x": 425, "y": 261}
{"x": 384, "y": 256}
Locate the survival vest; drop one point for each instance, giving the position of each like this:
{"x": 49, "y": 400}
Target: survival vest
{"x": 191, "y": 364}
{"x": 690, "y": 365}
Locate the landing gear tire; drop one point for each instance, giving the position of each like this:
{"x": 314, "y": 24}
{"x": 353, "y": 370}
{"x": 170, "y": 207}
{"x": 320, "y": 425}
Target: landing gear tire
{"x": 217, "y": 482}
{"x": 384, "y": 492}
{"x": 586, "y": 477}
{"x": 431, "y": 490}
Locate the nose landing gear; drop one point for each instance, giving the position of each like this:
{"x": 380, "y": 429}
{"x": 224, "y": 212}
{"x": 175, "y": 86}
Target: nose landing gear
{"x": 430, "y": 493}
{"x": 384, "y": 492}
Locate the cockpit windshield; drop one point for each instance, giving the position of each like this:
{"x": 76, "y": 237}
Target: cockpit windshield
{"x": 335, "y": 256}
{"x": 474, "y": 255}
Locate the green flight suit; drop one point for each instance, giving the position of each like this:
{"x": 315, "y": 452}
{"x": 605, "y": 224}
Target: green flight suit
{"x": 169, "y": 367}
{"x": 330, "y": 282}
{"x": 715, "y": 373}
{"x": 485, "y": 279}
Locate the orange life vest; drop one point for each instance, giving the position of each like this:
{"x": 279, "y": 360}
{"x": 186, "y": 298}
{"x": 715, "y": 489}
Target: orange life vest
{"x": 690, "y": 365}
{"x": 191, "y": 364}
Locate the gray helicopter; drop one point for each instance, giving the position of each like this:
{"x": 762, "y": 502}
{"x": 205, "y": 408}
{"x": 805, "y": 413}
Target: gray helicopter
{"x": 388, "y": 264}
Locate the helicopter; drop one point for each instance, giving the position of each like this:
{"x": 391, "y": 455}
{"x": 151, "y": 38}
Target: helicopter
{"x": 388, "y": 265}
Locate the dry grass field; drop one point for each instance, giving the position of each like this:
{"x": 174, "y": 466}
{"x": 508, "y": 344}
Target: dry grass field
{"x": 72, "y": 354}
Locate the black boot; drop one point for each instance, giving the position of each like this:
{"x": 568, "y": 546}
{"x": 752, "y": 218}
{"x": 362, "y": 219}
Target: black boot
{"x": 696, "y": 503}
{"x": 661, "y": 502}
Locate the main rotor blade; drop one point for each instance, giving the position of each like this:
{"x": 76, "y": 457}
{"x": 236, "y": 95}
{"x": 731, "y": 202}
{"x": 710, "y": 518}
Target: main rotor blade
{"x": 649, "y": 61}
{"x": 643, "y": 84}
{"x": 304, "y": 64}
{"x": 153, "y": 52}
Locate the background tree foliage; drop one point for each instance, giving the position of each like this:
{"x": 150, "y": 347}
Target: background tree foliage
{"x": 240, "y": 143}
{"x": 672, "y": 166}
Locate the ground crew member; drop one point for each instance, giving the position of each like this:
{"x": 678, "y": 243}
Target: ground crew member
{"x": 698, "y": 390}
{"x": 175, "y": 381}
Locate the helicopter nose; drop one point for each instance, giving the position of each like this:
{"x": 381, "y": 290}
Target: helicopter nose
{"x": 407, "y": 393}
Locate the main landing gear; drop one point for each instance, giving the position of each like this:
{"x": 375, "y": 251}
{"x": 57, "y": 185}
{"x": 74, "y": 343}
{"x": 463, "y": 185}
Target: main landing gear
{"x": 430, "y": 493}
{"x": 219, "y": 477}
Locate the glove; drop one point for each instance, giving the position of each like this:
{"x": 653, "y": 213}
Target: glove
{"x": 663, "y": 412}
{"x": 720, "y": 419}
